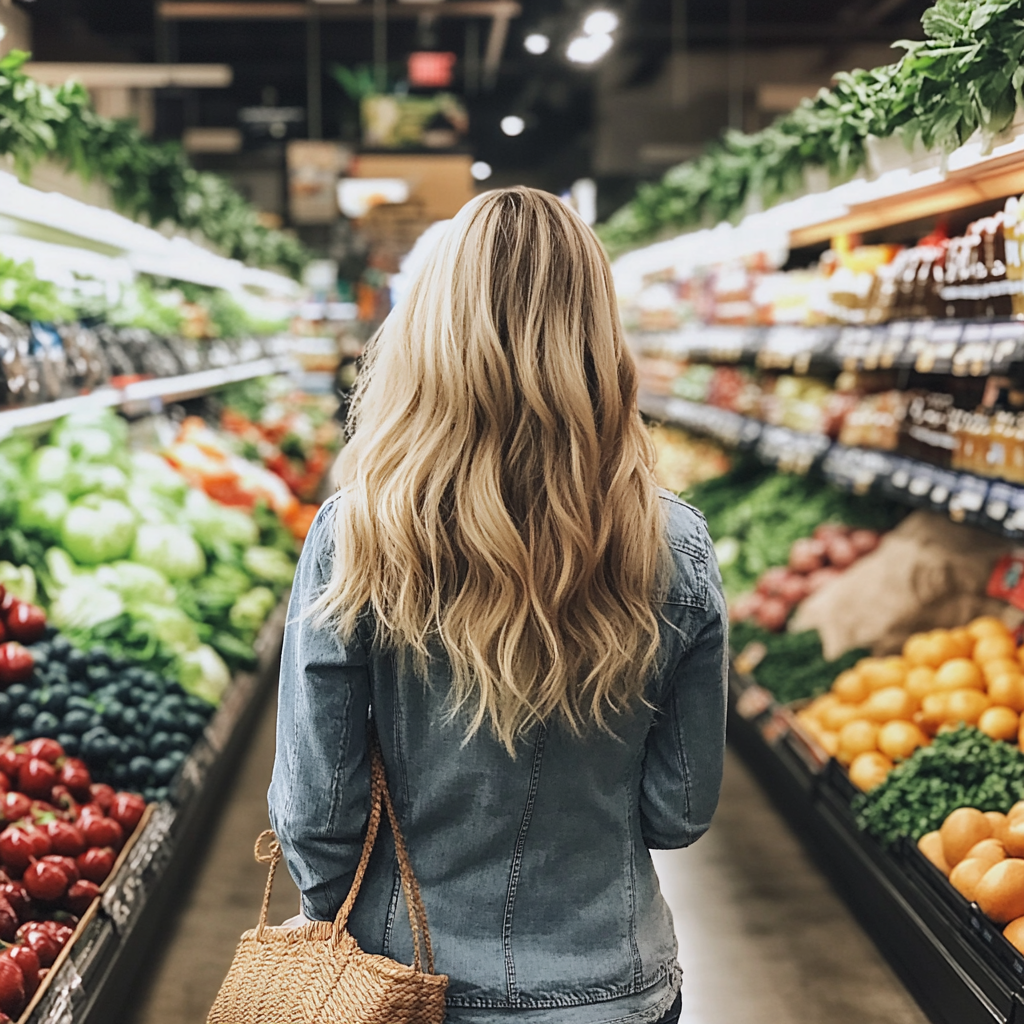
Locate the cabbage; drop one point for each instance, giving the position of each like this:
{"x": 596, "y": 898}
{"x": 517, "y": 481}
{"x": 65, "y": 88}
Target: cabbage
{"x": 93, "y": 478}
{"x": 19, "y": 581}
{"x": 98, "y": 530}
{"x": 269, "y": 565}
{"x": 48, "y": 467}
{"x": 43, "y": 513}
{"x": 214, "y": 522}
{"x": 151, "y": 506}
{"x": 170, "y": 549}
{"x": 250, "y": 611}
{"x": 137, "y": 584}
{"x": 84, "y": 605}
{"x": 153, "y": 472}
{"x": 204, "y": 674}
{"x": 60, "y": 566}
{"x": 99, "y": 435}
{"x": 169, "y": 625}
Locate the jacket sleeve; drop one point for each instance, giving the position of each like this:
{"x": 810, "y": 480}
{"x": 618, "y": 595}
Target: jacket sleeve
{"x": 686, "y": 745}
{"x": 320, "y": 792}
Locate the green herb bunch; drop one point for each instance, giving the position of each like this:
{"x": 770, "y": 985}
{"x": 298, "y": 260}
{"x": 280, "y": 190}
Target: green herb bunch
{"x": 148, "y": 180}
{"x": 962, "y": 768}
{"x": 964, "y": 76}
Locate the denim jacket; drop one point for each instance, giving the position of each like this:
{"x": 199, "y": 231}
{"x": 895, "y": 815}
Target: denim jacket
{"x": 541, "y": 897}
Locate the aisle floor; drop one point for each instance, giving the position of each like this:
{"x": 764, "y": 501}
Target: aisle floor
{"x": 763, "y": 939}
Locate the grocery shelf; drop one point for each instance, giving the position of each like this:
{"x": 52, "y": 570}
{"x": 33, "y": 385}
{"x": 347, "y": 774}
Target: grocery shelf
{"x": 166, "y": 389}
{"x": 60, "y": 220}
{"x": 945, "y": 960}
{"x": 994, "y": 505}
{"x": 95, "y": 981}
{"x": 962, "y": 348}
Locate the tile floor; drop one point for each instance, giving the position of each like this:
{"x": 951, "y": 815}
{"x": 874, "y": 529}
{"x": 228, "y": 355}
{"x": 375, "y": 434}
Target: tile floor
{"x": 762, "y": 937}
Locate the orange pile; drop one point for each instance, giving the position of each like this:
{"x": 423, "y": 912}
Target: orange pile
{"x": 982, "y": 855}
{"x": 883, "y": 709}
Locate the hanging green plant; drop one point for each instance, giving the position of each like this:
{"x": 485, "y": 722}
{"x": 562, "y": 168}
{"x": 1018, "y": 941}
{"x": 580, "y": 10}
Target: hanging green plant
{"x": 965, "y": 75}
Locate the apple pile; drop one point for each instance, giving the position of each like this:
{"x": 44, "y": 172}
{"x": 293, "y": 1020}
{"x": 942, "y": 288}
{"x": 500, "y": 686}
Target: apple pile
{"x": 20, "y": 623}
{"x": 60, "y": 836}
{"x": 813, "y": 562}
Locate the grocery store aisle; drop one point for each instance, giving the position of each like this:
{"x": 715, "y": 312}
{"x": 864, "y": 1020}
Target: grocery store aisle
{"x": 762, "y": 937}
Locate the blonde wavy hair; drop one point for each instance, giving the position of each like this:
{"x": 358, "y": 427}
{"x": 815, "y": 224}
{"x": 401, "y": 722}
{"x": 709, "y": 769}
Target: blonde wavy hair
{"x": 498, "y": 494}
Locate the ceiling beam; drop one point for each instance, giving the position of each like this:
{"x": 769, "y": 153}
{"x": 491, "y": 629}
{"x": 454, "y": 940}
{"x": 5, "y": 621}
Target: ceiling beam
{"x": 495, "y": 48}
{"x": 132, "y": 76}
{"x": 295, "y": 10}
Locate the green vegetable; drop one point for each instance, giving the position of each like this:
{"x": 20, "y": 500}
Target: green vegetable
{"x": 237, "y": 653}
{"x": 92, "y": 478}
{"x": 202, "y": 673}
{"x": 269, "y": 565}
{"x": 19, "y": 581}
{"x": 170, "y": 549}
{"x": 169, "y": 624}
{"x": 794, "y": 667}
{"x": 97, "y": 436}
{"x": 97, "y": 531}
{"x": 43, "y": 513}
{"x": 755, "y": 514}
{"x": 61, "y": 568}
{"x": 214, "y": 523}
{"x": 962, "y": 768}
{"x": 151, "y": 472}
{"x": 48, "y": 467}
{"x": 83, "y": 605}
{"x": 250, "y": 611}
{"x": 137, "y": 584}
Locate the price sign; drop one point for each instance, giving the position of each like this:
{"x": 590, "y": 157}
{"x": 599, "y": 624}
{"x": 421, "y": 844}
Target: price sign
{"x": 728, "y": 344}
{"x": 62, "y": 998}
{"x": 967, "y": 502}
{"x": 943, "y": 485}
{"x": 753, "y": 702}
{"x": 896, "y": 485}
{"x": 936, "y": 355}
{"x": 897, "y": 336}
{"x": 147, "y": 860}
{"x": 974, "y": 354}
{"x": 1007, "y": 346}
{"x": 851, "y": 346}
{"x": 1004, "y": 509}
{"x": 790, "y": 451}
{"x": 856, "y": 469}
{"x": 786, "y": 347}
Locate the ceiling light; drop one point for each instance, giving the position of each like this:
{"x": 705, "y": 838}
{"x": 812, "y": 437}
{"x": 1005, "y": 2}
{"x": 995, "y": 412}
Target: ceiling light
{"x": 601, "y": 23}
{"x": 512, "y": 125}
{"x": 481, "y": 170}
{"x": 588, "y": 49}
{"x": 536, "y": 43}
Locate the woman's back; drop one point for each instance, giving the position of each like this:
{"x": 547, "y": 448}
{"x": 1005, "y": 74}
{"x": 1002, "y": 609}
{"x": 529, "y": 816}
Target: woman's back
{"x": 539, "y": 890}
{"x": 537, "y": 635}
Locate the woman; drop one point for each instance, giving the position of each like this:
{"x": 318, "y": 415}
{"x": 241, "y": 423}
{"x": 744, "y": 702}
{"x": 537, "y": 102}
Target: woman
{"x": 538, "y": 634}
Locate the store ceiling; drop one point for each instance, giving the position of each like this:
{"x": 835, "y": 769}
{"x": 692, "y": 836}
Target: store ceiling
{"x": 562, "y": 103}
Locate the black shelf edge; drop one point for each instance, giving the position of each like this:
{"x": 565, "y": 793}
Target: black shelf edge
{"x": 964, "y": 348}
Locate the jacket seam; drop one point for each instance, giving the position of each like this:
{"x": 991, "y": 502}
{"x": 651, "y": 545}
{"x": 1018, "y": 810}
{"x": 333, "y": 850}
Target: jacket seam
{"x": 584, "y": 998}
{"x": 684, "y": 767}
{"x": 634, "y": 949}
{"x": 517, "y": 860}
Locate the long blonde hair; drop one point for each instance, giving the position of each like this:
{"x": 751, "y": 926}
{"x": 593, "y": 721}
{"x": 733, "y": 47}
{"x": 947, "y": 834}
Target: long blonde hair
{"x": 498, "y": 494}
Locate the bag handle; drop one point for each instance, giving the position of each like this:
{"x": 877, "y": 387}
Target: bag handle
{"x": 380, "y": 800}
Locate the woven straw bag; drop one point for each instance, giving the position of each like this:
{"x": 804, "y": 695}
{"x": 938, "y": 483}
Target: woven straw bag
{"x": 317, "y": 974}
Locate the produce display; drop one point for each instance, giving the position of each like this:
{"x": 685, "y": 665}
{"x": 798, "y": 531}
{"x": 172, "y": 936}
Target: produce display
{"x": 882, "y": 709}
{"x": 756, "y": 515}
{"x": 684, "y": 460}
{"x": 294, "y": 434}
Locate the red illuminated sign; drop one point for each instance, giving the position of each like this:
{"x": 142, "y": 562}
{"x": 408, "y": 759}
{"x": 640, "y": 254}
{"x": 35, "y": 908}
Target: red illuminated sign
{"x": 430, "y": 70}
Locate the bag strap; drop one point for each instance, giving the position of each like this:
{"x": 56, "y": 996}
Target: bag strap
{"x": 380, "y": 800}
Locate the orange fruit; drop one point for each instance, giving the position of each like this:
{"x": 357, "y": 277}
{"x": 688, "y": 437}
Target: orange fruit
{"x": 1014, "y": 934}
{"x": 934, "y": 710}
{"x": 889, "y": 703}
{"x": 857, "y": 737}
{"x": 1000, "y": 723}
{"x": 963, "y": 641}
{"x": 850, "y": 687}
{"x": 1007, "y": 690}
{"x": 960, "y": 831}
{"x": 993, "y": 648}
{"x": 959, "y": 674}
{"x": 869, "y": 769}
{"x": 966, "y": 706}
{"x": 898, "y": 739}
{"x": 930, "y": 844}
{"x": 1000, "y": 667}
{"x": 986, "y": 625}
{"x": 879, "y": 673}
{"x": 920, "y": 681}
{"x": 1000, "y": 893}
{"x": 916, "y": 649}
{"x": 967, "y": 875}
{"x": 819, "y": 706}
{"x": 830, "y": 743}
{"x": 835, "y": 717}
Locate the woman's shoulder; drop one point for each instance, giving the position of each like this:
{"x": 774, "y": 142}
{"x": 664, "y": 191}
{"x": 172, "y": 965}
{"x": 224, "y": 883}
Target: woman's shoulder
{"x": 685, "y": 526}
